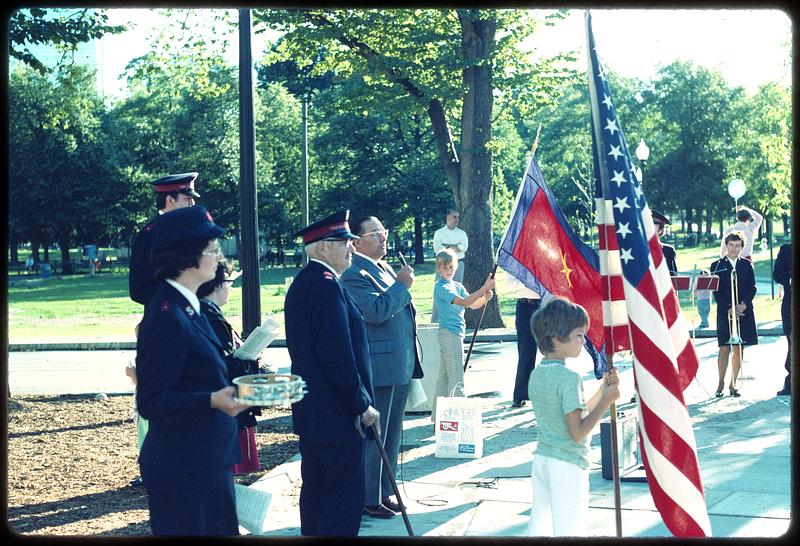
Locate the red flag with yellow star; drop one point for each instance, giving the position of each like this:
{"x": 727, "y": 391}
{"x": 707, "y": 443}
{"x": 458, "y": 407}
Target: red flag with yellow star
{"x": 541, "y": 250}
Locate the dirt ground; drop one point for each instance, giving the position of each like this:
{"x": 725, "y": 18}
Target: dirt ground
{"x": 71, "y": 458}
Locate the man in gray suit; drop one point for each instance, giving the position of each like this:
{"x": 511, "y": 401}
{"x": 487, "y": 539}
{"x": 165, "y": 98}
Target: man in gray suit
{"x": 389, "y": 314}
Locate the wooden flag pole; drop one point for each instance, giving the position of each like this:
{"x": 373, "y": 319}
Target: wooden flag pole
{"x": 615, "y": 457}
{"x": 477, "y": 326}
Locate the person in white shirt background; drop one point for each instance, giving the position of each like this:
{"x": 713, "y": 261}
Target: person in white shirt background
{"x": 452, "y": 237}
{"x": 748, "y": 222}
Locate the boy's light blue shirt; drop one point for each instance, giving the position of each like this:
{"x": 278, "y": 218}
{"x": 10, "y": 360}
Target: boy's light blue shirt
{"x": 451, "y": 316}
{"x": 555, "y": 391}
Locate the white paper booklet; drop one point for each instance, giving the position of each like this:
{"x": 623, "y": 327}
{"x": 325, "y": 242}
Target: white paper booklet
{"x": 258, "y": 340}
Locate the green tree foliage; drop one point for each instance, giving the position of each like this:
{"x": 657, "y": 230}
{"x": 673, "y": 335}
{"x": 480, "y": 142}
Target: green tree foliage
{"x": 182, "y": 115}
{"x": 63, "y": 28}
{"x": 693, "y": 125}
{"x": 448, "y": 63}
{"x": 61, "y": 181}
{"x": 762, "y": 149}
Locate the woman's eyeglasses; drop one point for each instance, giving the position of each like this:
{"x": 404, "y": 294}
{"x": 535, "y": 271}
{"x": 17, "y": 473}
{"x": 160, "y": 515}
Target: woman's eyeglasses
{"x": 216, "y": 252}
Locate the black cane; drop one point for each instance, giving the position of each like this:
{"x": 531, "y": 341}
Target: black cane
{"x": 477, "y": 326}
{"x": 389, "y": 473}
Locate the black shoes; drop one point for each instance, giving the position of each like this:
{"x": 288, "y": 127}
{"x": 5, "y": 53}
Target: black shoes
{"x": 136, "y": 482}
{"x": 390, "y": 504}
{"x": 718, "y": 394}
{"x": 517, "y": 403}
{"x": 380, "y": 512}
{"x": 784, "y": 392}
{"x": 734, "y": 392}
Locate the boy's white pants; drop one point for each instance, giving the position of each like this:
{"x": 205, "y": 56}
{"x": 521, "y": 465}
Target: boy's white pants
{"x": 560, "y": 498}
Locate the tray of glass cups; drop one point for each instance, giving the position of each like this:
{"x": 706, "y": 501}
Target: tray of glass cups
{"x": 270, "y": 389}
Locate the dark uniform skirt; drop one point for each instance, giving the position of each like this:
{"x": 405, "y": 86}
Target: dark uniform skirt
{"x": 747, "y": 327}
{"x": 191, "y": 503}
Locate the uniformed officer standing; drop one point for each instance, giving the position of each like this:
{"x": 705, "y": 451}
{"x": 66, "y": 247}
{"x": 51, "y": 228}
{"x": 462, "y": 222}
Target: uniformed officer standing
{"x": 173, "y": 192}
{"x": 183, "y": 390}
{"x": 660, "y": 222}
{"x": 328, "y": 346}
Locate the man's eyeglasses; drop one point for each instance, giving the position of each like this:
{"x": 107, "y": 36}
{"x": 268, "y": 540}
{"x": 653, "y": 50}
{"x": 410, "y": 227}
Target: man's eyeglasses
{"x": 376, "y": 234}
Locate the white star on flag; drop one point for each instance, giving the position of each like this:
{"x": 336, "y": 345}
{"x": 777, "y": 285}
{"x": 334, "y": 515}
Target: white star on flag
{"x": 622, "y": 204}
{"x": 615, "y": 152}
{"x": 626, "y": 255}
{"x": 619, "y": 178}
{"x": 611, "y": 126}
{"x": 607, "y": 101}
{"x": 624, "y": 230}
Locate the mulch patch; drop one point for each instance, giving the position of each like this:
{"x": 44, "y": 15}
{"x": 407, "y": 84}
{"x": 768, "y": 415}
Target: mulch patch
{"x": 71, "y": 458}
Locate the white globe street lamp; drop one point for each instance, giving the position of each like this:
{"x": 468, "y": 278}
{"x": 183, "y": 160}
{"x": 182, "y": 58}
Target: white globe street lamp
{"x": 642, "y": 154}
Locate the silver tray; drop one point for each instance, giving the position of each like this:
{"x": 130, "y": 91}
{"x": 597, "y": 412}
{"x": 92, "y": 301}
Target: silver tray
{"x": 269, "y": 389}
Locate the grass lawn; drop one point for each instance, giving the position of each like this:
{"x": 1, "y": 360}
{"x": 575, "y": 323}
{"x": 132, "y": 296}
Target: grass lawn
{"x": 83, "y": 308}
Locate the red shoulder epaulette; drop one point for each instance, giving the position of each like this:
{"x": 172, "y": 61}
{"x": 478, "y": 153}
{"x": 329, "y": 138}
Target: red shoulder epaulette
{"x": 165, "y": 305}
{"x": 149, "y": 226}
{"x": 329, "y": 275}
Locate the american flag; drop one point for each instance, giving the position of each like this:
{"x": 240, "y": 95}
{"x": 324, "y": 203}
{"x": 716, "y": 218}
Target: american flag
{"x": 643, "y": 307}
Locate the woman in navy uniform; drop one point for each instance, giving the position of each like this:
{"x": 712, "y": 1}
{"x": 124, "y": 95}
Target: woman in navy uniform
{"x": 183, "y": 390}
{"x": 746, "y": 282}
{"x": 328, "y": 346}
{"x": 213, "y": 296}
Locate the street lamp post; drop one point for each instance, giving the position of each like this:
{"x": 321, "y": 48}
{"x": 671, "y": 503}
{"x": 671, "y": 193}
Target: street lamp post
{"x": 642, "y": 154}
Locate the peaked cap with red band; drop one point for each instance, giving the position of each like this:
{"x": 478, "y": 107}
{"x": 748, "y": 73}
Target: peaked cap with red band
{"x": 334, "y": 226}
{"x": 181, "y": 183}
{"x": 659, "y": 218}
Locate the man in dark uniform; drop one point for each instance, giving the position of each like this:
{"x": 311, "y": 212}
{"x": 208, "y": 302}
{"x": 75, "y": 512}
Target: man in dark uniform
{"x": 783, "y": 275}
{"x": 660, "y": 222}
{"x": 328, "y": 346}
{"x": 173, "y": 192}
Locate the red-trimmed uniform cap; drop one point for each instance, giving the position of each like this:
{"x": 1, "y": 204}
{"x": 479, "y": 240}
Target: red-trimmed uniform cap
{"x": 334, "y": 226}
{"x": 659, "y": 218}
{"x": 181, "y": 183}
{"x": 174, "y": 229}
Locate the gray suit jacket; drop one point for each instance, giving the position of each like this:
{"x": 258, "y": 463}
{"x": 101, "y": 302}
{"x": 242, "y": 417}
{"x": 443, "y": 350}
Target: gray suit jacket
{"x": 389, "y": 315}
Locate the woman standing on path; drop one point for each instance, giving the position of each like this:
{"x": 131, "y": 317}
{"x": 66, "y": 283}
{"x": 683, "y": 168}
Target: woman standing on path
{"x": 183, "y": 390}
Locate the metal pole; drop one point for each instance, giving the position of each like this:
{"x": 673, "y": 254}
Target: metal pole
{"x": 248, "y": 253}
{"x": 477, "y": 326}
{"x": 771, "y": 263}
{"x": 304, "y": 163}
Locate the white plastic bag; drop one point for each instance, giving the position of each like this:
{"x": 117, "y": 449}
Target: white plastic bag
{"x": 459, "y": 428}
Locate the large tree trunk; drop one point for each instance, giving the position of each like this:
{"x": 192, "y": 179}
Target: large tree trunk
{"x": 473, "y": 197}
{"x": 419, "y": 251}
{"x": 66, "y": 264}
{"x": 35, "y": 251}
{"x": 12, "y": 248}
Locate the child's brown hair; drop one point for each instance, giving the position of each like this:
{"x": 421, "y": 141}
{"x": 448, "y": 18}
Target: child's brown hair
{"x": 557, "y": 318}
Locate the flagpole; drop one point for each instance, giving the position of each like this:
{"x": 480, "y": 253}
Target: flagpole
{"x": 597, "y": 126}
{"x": 494, "y": 268}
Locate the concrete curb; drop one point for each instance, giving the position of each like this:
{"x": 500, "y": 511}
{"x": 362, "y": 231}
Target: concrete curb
{"x": 486, "y": 335}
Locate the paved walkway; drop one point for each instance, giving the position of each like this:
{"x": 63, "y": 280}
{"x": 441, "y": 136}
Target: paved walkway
{"x": 743, "y": 447}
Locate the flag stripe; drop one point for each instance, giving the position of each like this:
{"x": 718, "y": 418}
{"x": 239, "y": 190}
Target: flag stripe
{"x": 664, "y": 359}
{"x": 679, "y": 522}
